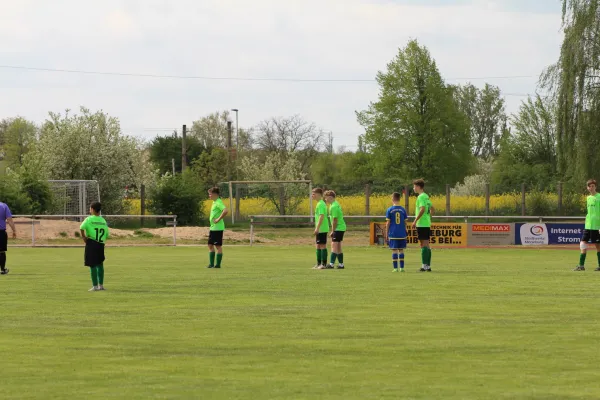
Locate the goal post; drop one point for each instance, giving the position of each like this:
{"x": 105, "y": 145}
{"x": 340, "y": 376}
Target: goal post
{"x": 280, "y": 192}
{"x": 73, "y": 197}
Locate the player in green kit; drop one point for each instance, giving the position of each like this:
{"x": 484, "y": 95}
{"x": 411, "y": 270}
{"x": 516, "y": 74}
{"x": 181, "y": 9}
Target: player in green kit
{"x": 338, "y": 229}
{"x": 321, "y": 228}
{"x": 94, "y": 232}
{"x": 591, "y": 233}
{"x": 423, "y": 210}
{"x": 218, "y": 211}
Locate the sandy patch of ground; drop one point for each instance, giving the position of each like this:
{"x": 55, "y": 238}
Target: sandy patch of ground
{"x": 198, "y": 233}
{"x": 57, "y": 228}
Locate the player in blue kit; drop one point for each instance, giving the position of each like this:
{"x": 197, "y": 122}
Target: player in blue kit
{"x": 395, "y": 231}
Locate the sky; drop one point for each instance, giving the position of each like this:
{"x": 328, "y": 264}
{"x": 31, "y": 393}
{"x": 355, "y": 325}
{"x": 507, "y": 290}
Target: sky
{"x": 250, "y": 46}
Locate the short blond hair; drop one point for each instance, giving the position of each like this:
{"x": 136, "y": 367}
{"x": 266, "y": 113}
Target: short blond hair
{"x": 330, "y": 193}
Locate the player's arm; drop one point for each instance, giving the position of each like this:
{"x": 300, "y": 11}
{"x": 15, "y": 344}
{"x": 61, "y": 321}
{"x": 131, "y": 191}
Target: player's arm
{"x": 419, "y": 215}
{"x": 319, "y": 223}
{"x": 83, "y": 236}
{"x": 432, "y": 210}
{"x": 223, "y": 214}
{"x": 386, "y": 233}
{"x": 11, "y": 223}
{"x": 334, "y": 224}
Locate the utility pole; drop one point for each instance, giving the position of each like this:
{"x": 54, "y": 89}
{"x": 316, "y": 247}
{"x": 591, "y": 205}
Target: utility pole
{"x": 229, "y": 149}
{"x": 183, "y": 149}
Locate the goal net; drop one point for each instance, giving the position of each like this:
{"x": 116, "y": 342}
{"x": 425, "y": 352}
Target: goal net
{"x": 74, "y": 197}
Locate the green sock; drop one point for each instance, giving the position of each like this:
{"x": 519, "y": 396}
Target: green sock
{"x": 582, "y": 259}
{"x": 423, "y": 255}
{"x": 429, "y": 256}
{"x": 333, "y": 257}
{"x": 318, "y": 256}
{"x": 211, "y": 258}
{"x": 341, "y": 258}
{"x": 324, "y": 255}
{"x": 100, "y": 270}
{"x": 219, "y": 259}
{"x": 94, "y": 276}
{"x": 598, "y": 254}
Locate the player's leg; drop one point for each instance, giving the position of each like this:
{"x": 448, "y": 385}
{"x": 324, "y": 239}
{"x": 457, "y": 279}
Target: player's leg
{"x": 94, "y": 275}
{"x": 393, "y": 246}
{"x": 583, "y": 250}
{"x": 598, "y": 256}
{"x": 596, "y": 239}
{"x": 423, "y": 236}
{"x": 218, "y": 243}
{"x": 318, "y": 252}
{"x": 3, "y": 269}
{"x": 3, "y": 249}
{"x": 324, "y": 250}
{"x": 211, "y": 251}
{"x": 401, "y": 247}
{"x": 100, "y": 273}
{"x": 340, "y": 251}
{"x": 334, "y": 244}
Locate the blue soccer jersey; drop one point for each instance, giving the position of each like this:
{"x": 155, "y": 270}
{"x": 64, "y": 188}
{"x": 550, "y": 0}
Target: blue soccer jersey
{"x": 397, "y": 217}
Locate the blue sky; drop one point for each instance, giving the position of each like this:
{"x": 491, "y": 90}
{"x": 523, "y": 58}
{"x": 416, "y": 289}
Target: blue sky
{"x": 310, "y": 39}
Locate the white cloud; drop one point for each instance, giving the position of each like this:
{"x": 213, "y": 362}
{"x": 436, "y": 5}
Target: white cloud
{"x": 337, "y": 39}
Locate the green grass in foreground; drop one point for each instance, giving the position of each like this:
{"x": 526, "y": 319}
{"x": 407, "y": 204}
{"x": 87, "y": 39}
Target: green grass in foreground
{"x": 485, "y": 324}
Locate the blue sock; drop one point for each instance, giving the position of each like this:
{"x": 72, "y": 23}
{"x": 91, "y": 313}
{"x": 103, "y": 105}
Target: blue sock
{"x": 395, "y": 260}
{"x": 401, "y": 260}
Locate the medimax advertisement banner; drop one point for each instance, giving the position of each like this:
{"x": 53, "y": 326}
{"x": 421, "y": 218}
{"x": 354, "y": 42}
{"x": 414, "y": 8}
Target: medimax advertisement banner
{"x": 542, "y": 234}
{"x": 491, "y": 234}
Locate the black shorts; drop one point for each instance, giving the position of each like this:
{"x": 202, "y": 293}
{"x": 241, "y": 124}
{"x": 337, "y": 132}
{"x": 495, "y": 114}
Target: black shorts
{"x": 215, "y": 238}
{"x": 338, "y": 236}
{"x": 590, "y": 236}
{"x": 94, "y": 253}
{"x": 321, "y": 238}
{"x": 3, "y": 241}
{"x": 423, "y": 233}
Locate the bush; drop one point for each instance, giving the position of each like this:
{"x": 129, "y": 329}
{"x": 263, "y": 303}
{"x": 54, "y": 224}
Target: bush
{"x": 11, "y": 194}
{"x": 179, "y": 195}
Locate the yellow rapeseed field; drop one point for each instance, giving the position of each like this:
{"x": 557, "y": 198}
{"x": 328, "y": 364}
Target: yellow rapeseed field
{"x": 505, "y": 204}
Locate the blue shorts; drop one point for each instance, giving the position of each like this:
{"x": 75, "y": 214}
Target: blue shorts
{"x": 396, "y": 244}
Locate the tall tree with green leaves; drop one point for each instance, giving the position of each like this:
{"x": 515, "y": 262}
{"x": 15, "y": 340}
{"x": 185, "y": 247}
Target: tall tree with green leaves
{"x": 415, "y": 128}
{"x": 529, "y": 153}
{"x": 574, "y": 82}
{"x": 88, "y": 146}
{"x": 486, "y": 118}
{"x": 18, "y": 136}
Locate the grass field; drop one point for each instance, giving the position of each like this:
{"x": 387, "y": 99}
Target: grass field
{"x": 486, "y": 324}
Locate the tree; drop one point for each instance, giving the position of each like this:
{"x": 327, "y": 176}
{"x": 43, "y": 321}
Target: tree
{"x": 277, "y": 167}
{"x": 88, "y": 146}
{"x": 181, "y": 195}
{"x": 211, "y": 132}
{"x": 164, "y": 149}
{"x": 292, "y": 135}
{"x": 529, "y": 153}
{"x": 18, "y": 136}
{"x": 414, "y": 129}
{"x": 574, "y": 83}
{"x": 486, "y": 117}
{"x": 210, "y": 167}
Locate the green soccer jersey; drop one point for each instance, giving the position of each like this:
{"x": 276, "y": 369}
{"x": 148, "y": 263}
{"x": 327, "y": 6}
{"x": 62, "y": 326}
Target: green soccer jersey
{"x": 215, "y": 212}
{"x": 321, "y": 209}
{"x": 95, "y": 228}
{"x": 335, "y": 211}
{"x": 592, "y": 219}
{"x": 425, "y": 220}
